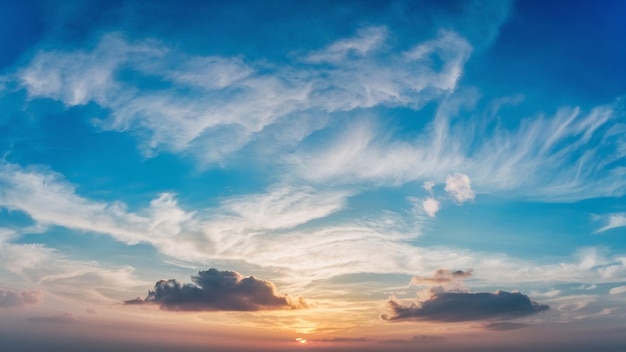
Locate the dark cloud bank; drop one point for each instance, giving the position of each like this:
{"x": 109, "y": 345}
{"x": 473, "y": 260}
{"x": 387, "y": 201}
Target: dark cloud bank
{"x": 465, "y": 306}
{"x": 214, "y": 290}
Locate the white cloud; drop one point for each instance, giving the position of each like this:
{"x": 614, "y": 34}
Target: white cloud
{"x": 568, "y": 156}
{"x": 550, "y": 293}
{"x": 367, "y": 39}
{"x": 268, "y": 230}
{"x": 227, "y": 101}
{"x": 459, "y": 187}
{"x": 613, "y": 221}
{"x": 617, "y": 290}
{"x": 428, "y": 186}
{"x": 431, "y": 206}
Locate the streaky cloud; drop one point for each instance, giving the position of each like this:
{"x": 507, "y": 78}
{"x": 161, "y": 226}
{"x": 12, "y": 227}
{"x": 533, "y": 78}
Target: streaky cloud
{"x": 504, "y": 326}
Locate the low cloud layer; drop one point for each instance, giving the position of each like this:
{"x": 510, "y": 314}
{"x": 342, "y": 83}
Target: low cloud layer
{"x": 414, "y": 340}
{"x": 18, "y": 299}
{"x": 214, "y": 290}
{"x": 504, "y": 326}
{"x": 465, "y": 306}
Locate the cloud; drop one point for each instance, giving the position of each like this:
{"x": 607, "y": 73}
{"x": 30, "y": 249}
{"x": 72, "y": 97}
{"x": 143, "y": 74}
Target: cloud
{"x": 617, "y": 290}
{"x": 464, "y": 306}
{"x": 586, "y": 287}
{"x": 227, "y": 101}
{"x": 431, "y": 206}
{"x": 19, "y": 299}
{"x": 558, "y": 153}
{"x": 550, "y": 293}
{"x": 441, "y": 276}
{"x": 215, "y": 290}
{"x": 343, "y": 340}
{"x": 64, "y": 318}
{"x": 504, "y": 326}
{"x": 613, "y": 221}
{"x": 415, "y": 340}
{"x": 459, "y": 187}
{"x": 367, "y": 39}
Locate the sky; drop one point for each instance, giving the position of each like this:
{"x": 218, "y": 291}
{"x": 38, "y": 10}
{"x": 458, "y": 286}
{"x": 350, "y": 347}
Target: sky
{"x": 312, "y": 175}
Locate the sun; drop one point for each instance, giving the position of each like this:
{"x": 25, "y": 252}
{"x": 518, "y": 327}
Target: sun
{"x": 301, "y": 340}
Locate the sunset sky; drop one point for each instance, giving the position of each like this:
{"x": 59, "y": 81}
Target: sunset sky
{"x": 312, "y": 175}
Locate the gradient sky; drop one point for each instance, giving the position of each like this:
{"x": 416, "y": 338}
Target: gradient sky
{"x": 312, "y": 175}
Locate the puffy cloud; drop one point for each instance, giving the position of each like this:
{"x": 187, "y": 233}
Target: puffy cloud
{"x": 431, "y": 206}
{"x": 442, "y": 276}
{"x": 504, "y": 326}
{"x": 465, "y": 306}
{"x": 18, "y": 299}
{"x": 617, "y": 290}
{"x": 215, "y": 290}
{"x": 586, "y": 287}
{"x": 459, "y": 187}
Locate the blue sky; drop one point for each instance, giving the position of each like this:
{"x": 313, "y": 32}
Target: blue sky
{"x": 359, "y": 173}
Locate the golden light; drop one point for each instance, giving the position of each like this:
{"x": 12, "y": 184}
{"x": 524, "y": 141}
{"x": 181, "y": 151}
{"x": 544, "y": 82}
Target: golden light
{"x": 301, "y": 340}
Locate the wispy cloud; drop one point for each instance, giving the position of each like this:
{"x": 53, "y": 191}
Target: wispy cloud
{"x": 19, "y": 299}
{"x": 431, "y": 206}
{"x": 228, "y": 100}
{"x": 441, "y": 276}
{"x": 214, "y": 290}
{"x": 617, "y": 290}
{"x": 567, "y": 156}
{"x": 612, "y": 221}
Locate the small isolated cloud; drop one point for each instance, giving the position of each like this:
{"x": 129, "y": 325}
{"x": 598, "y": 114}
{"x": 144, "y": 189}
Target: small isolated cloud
{"x": 64, "y": 318}
{"x": 617, "y": 290}
{"x": 504, "y": 326}
{"x": 441, "y": 276}
{"x": 428, "y": 186}
{"x": 18, "y": 299}
{"x": 214, "y": 290}
{"x": 459, "y": 187}
{"x": 465, "y": 306}
{"x": 431, "y": 206}
{"x": 586, "y": 287}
